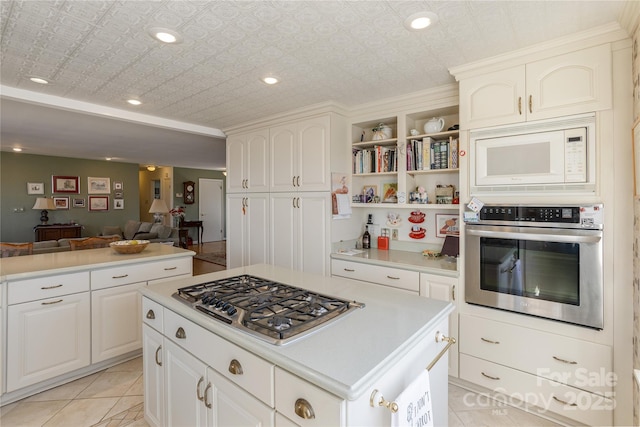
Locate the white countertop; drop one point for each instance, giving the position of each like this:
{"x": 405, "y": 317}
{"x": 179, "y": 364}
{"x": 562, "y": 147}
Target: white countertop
{"x": 347, "y": 355}
{"x": 30, "y": 266}
{"x": 403, "y": 259}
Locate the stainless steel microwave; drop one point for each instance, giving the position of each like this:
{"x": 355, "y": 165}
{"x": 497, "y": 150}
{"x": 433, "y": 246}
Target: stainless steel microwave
{"x": 544, "y": 156}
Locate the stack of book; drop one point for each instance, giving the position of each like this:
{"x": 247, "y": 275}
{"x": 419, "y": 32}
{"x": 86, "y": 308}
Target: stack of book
{"x": 375, "y": 159}
{"x": 427, "y": 154}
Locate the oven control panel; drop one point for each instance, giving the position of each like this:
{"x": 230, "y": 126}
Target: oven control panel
{"x": 582, "y": 216}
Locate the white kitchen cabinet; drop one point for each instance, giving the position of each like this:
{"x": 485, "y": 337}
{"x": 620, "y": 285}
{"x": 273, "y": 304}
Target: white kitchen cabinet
{"x": 398, "y": 278}
{"x": 300, "y": 231}
{"x": 153, "y": 376}
{"x": 115, "y": 321}
{"x": 248, "y": 162}
{"x": 300, "y": 156}
{"x": 47, "y": 338}
{"x": 573, "y": 83}
{"x": 443, "y": 288}
{"x": 247, "y": 229}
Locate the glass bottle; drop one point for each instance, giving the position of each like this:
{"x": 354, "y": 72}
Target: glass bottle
{"x": 366, "y": 238}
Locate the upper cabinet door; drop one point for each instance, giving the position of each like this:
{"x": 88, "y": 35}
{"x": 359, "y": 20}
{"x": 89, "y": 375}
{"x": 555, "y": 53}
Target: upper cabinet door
{"x": 314, "y": 155}
{"x": 578, "y": 82}
{"x": 248, "y": 162}
{"x": 235, "y": 164}
{"x": 284, "y": 145}
{"x": 492, "y": 99}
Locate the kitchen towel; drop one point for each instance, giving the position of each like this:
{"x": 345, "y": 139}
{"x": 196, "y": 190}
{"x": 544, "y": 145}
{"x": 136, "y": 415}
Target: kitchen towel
{"x": 414, "y": 404}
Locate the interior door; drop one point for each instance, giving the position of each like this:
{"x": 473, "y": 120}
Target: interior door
{"x": 210, "y": 207}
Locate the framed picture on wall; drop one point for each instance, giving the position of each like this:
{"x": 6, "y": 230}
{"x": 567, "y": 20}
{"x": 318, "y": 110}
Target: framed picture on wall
{"x": 98, "y": 203}
{"x": 61, "y": 202}
{"x": 65, "y": 184}
{"x": 118, "y": 194}
{"x": 79, "y": 202}
{"x": 118, "y": 203}
{"x": 117, "y": 185}
{"x": 98, "y": 185}
{"x": 447, "y": 224}
{"x": 35, "y": 187}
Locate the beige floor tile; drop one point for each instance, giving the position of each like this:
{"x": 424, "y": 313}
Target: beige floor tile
{"x": 66, "y": 391}
{"x": 129, "y": 366}
{"x": 139, "y": 423}
{"x": 454, "y": 421}
{"x": 526, "y": 419}
{"x": 6, "y": 409}
{"x": 461, "y": 399}
{"x": 124, "y": 404}
{"x": 32, "y": 413}
{"x": 110, "y": 384}
{"x": 82, "y": 412}
{"x": 137, "y": 389}
{"x": 492, "y": 417}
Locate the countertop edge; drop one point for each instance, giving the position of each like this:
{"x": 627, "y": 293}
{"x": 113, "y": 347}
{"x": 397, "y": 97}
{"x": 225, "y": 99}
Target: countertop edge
{"x": 394, "y": 264}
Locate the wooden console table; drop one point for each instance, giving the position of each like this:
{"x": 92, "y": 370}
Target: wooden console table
{"x": 193, "y": 224}
{"x": 57, "y": 231}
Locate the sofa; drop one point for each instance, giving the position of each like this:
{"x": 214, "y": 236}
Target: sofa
{"x": 140, "y": 230}
{"x": 48, "y": 246}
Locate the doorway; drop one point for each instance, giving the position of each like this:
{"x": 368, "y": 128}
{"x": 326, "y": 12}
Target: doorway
{"x": 211, "y": 208}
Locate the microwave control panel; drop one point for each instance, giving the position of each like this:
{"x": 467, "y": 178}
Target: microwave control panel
{"x": 575, "y": 155}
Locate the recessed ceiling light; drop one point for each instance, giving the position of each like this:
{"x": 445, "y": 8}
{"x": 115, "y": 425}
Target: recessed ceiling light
{"x": 165, "y": 35}
{"x": 39, "y": 80}
{"x": 420, "y": 20}
{"x": 151, "y": 168}
{"x": 134, "y": 102}
{"x": 270, "y": 80}
{"x": 17, "y": 149}
{"x": 107, "y": 158}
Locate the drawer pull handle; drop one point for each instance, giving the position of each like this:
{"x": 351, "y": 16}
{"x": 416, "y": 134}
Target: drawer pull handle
{"x": 392, "y": 277}
{"x": 304, "y": 409}
{"x": 180, "y": 333}
{"x": 51, "y": 287}
{"x": 120, "y": 277}
{"x": 489, "y": 341}
{"x": 569, "y": 362}
{"x": 235, "y": 367}
{"x": 170, "y": 268}
{"x": 200, "y": 381}
{"x": 531, "y": 103}
{"x": 52, "y": 302}
{"x": 158, "y": 362}
{"x": 520, "y": 105}
{"x": 151, "y": 314}
{"x": 206, "y": 398}
{"x": 489, "y": 376}
{"x": 350, "y": 270}
{"x": 453, "y": 293}
{"x": 563, "y": 402}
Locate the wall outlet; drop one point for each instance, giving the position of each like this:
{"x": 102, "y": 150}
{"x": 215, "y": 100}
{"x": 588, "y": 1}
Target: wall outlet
{"x": 394, "y": 234}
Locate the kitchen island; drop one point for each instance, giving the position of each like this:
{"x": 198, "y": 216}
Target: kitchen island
{"x": 211, "y": 372}
{"x": 65, "y": 315}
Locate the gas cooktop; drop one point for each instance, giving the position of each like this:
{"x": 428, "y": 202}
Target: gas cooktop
{"x": 269, "y": 310}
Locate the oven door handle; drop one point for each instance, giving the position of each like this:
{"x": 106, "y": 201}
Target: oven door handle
{"x": 565, "y": 237}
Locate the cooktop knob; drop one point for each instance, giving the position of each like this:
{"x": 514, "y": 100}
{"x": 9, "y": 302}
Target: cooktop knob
{"x": 231, "y": 310}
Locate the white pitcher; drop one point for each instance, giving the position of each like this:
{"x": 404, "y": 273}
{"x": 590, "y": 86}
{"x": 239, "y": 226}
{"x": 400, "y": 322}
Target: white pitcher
{"x": 434, "y": 125}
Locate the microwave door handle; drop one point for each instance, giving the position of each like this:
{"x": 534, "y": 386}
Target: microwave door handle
{"x": 543, "y": 237}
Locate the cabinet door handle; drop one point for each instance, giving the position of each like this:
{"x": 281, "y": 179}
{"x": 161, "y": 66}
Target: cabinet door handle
{"x": 453, "y": 293}
{"x": 247, "y": 183}
{"x": 170, "y": 268}
{"x": 235, "y": 367}
{"x": 489, "y": 341}
{"x": 392, "y": 277}
{"x": 350, "y": 270}
{"x": 200, "y": 397}
{"x": 304, "y": 409}
{"x": 158, "y": 362}
{"x": 569, "y": 362}
{"x": 293, "y": 202}
{"x": 531, "y": 103}
{"x": 180, "y": 333}
{"x": 293, "y": 181}
{"x": 520, "y": 105}
{"x": 120, "y": 277}
{"x": 563, "y": 401}
{"x": 298, "y": 180}
{"x": 206, "y": 396}
{"x": 52, "y": 302}
{"x": 151, "y": 314}
{"x": 51, "y": 287}
{"x": 489, "y": 376}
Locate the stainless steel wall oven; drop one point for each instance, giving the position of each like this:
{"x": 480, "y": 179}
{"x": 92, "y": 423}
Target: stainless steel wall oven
{"x": 543, "y": 261}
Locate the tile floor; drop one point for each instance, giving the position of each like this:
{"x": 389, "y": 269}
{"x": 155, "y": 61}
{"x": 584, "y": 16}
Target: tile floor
{"x": 113, "y": 398}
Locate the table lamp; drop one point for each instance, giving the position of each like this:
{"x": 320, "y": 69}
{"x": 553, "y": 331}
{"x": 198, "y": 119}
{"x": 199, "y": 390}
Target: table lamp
{"x": 44, "y": 204}
{"x": 158, "y": 209}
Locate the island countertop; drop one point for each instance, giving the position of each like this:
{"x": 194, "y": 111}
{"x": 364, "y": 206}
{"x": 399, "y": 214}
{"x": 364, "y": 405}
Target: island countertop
{"x": 345, "y": 356}
{"x": 31, "y": 266}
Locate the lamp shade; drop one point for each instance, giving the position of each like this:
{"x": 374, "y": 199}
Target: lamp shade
{"x": 43, "y": 203}
{"x": 158, "y": 206}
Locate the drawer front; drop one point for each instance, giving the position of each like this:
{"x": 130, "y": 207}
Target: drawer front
{"x": 394, "y": 277}
{"x": 567, "y": 360}
{"x": 570, "y": 402}
{"x": 47, "y": 287}
{"x": 152, "y": 314}
{"x": 116, "y": 276}
{"x": 292, "y": 391}
{"x": 257, "y": 375}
